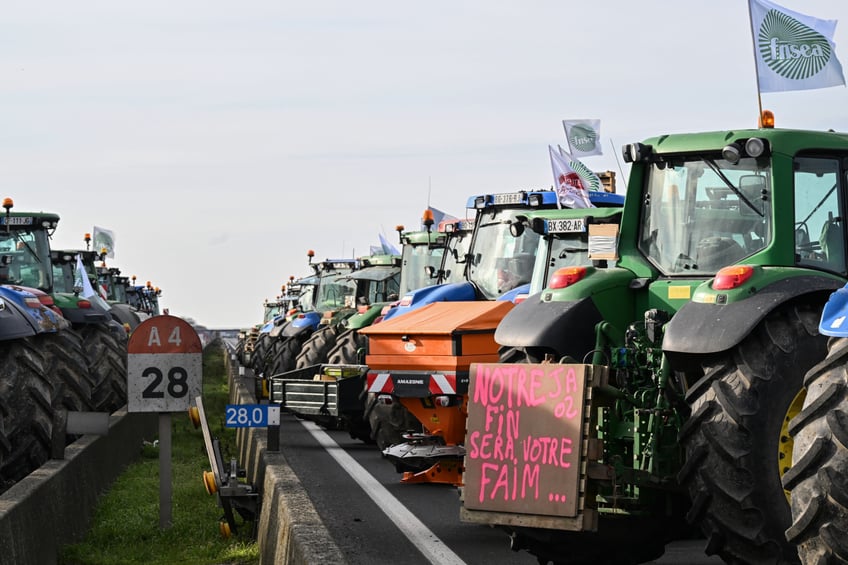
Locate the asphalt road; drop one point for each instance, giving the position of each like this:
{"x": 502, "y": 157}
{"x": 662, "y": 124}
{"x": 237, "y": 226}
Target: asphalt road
{"x": 374, "y": 518}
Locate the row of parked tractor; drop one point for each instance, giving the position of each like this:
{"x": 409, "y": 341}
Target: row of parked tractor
{"x": 600, "y": 381}
{"x": 65, "y": 317}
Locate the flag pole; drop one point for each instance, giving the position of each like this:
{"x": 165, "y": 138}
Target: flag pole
{"x": 756, "y": 66}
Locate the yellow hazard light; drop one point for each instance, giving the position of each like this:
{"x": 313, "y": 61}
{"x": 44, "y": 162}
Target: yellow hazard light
{"x": 767, "y": 119}
{"x": 428, "y": 219}
{"x": 8, "y": 204}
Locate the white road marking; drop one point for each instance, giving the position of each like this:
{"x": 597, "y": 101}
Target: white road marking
{"x": 420, "y": 535}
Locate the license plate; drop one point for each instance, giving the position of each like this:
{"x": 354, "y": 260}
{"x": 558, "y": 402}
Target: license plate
{"x": 567, "y": 226}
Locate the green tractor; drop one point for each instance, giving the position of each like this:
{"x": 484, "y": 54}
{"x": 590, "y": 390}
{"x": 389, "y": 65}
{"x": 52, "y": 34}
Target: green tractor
{"x": 375, "y": 285}
{"x": 325, "y": 295}
{"x": 103, "y": 340}
{"x": 696, "y": 344}
{"x": 421, "y": 256}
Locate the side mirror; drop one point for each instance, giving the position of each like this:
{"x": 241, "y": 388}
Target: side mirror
{"x": 755, "y": 189}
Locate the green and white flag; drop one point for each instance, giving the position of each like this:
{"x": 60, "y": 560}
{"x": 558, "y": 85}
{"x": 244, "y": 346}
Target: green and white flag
{"x": 104, "y": 239}
{"x": 569, "y": 185}
{"x": 583, "y": 137}
{"x": 793, "y": 51}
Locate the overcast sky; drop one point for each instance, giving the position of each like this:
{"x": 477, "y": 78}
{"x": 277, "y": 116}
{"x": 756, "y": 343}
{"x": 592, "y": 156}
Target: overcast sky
{"x": 221, "y": 140}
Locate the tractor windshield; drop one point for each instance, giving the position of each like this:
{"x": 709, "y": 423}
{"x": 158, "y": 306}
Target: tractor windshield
{"x": 701, "y": 214}
{"x": 416, "y": 259}
{"x": 25, "y": 259}
{"x": 335, "y": 291}
{"x": 500, "y": 261}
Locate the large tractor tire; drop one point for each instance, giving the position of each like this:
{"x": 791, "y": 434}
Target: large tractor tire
{"x": 349, "y": 349}
{"x": 316, "y": 348}
{"x": 106, "y": 354}
{"x": 284, "y": 354}
{"x": 508, "y": 354}
{"x": 818, "y": 480}
{"x": 261, "y": 351}
{"x": 736, "y": 437}
{"x": 27, "y": 401}
{"x": 66, "y": 368}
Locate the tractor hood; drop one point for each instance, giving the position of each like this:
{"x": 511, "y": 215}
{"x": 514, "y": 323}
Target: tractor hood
{"x": 448, "y": 292}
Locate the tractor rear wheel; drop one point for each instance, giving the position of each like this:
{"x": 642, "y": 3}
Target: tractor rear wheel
{"x": 106, "y": 355}
{"x": 284, "y": 354}
{"x": 818, "y": 480}
{"x": 349, "y": 349}
{"x": 27, "y": 401}
{"x": 316, "y": 348}
{"x": 733, "y": 438}
{"x": 261, "y": 350}
{"x": 65, "y": 365}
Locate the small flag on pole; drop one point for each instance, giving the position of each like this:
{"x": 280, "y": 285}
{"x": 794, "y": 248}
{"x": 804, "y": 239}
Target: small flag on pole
{"x": 792, "y": 51}
{"x": 387, "y": 247}
{"x": 104, "y": 239}
{"x": 570, "y": 187}
{"x": 81, "y": 280}
{"x": 590, "y": 180}
{"x": 583, "y": 137}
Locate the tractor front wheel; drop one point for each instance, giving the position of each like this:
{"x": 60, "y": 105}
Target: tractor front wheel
{"x": 736, "y": 434}
{"x": 818, "y": 480}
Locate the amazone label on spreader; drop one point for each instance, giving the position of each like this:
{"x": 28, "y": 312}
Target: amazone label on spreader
{"x": 526, "y": 445}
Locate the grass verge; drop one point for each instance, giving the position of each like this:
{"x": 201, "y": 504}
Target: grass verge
{"x": 125, "y": 529}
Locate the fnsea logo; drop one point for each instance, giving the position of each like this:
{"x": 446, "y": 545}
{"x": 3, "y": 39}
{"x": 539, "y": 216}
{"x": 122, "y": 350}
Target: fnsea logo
{"x": 583, "y": 138}
{"x": 790, "y": 48}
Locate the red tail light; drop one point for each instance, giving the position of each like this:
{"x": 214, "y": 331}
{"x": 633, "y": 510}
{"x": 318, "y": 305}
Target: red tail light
{"x": 732, "y": 277}
{"x": 566, "y": 276}
{"x": 83, "y": 304}
{"x": 46, "y": 299}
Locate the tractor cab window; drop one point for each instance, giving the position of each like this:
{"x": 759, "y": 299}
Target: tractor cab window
{"x": 501, "y": 261}
{"x": 416, "y": 260}
{"x": 561, "y": 250}
{"x": 25, "y": 259}
{"x": 819, "y": 229}
{"x": 701, "y": 213}
{"x": 456, "y": 256}
{"x": 335, "y": 291}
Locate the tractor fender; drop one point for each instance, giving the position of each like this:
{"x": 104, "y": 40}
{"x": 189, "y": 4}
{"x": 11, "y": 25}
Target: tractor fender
{"x": 448, "y": 292}
{"x": 565, "y": 327}
{"x": 700, "y": 328}
{"x": 309, "y": 322}
{"x": 19, "y": 319}
{"x": 125, "y": 315}
{"x": 515, "y": 293}
{"x": 14, "y": 323}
